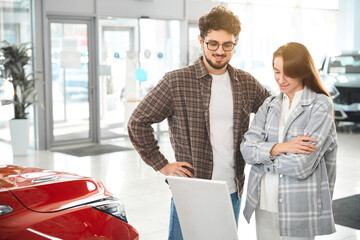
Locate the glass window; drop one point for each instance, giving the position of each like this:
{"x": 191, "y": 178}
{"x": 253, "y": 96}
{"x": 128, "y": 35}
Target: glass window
{"x": 194, "y": 46}
{"x": 134, "y": 55}
{"x": 15, "y": 27}
{"x": 282, "y": 3}
{"x": 118, "y": 40}
{"x": 159, "y": 53}
{"x": 345, "y": 64}
{"x": 321, "y": 4}
{"x": 318, "y": 31}
{"x": 268, "y": 25}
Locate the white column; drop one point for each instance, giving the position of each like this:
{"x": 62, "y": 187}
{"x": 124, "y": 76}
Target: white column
{"x": 356, "y": 10}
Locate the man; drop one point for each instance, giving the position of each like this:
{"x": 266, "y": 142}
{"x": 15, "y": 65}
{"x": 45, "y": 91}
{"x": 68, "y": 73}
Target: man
{"x": 207, "y": 106}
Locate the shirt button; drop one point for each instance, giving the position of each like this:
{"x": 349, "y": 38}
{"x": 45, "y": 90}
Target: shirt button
{"x": 268, "y": 169}
{"x": 280, "y": 200}
{"x": 281, "y": 175}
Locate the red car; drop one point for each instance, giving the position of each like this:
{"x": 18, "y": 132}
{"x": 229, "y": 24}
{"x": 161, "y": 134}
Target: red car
{"x": 42, "y": 204}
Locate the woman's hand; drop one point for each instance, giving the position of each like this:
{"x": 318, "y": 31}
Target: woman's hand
{"x": 178, "y": 168}
{"x": 299, "y": 144}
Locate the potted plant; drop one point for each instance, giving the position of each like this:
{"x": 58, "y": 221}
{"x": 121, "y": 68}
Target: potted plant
{"x": 13, "y": 59}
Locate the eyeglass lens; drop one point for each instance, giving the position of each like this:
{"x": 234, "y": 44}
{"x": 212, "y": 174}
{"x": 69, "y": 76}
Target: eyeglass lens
{"x": 213, "y": 46}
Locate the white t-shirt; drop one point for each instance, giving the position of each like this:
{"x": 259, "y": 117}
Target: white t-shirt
{"x": 270, "y": 181}
{"x": 221, "y": 130}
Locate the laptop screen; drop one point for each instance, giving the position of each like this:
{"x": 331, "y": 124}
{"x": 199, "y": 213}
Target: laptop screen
{"x": 204, "y": 208}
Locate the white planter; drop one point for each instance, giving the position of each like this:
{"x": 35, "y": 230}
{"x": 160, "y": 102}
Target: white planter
{"x": 19, "y": 131}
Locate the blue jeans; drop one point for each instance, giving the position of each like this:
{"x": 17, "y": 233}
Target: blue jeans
{"x": 174, "y": 226}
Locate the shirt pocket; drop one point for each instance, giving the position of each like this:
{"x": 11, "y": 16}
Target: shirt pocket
{"x": 294, "y": 132}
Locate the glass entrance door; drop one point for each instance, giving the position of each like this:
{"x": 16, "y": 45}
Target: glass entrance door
{"x": 118, "y": 47}
{"x": 131, "y": 63}
{"x": 70, "y": 79}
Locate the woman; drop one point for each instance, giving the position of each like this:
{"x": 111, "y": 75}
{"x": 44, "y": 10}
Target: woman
{"x": 292, "y": 146}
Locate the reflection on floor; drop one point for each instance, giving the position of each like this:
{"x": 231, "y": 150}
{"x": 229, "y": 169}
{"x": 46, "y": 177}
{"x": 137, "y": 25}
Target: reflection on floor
{"x": 146, "y": 195}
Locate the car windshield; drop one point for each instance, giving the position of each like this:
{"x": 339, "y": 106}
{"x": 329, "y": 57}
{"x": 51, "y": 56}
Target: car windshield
{"x": 344, "y": 64}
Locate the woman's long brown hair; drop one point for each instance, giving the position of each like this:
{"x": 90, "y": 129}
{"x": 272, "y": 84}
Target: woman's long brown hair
{"x": 298, "y": 63}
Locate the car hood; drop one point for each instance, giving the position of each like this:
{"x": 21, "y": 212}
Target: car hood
{"x": 49, "y": 191}
{"x": 344, "y": 80}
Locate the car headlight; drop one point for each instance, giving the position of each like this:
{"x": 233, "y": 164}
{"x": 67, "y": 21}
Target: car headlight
{"x": 5, "y": 209}
{"x": 334, "y": 93}
{"x": 112, "y": 206}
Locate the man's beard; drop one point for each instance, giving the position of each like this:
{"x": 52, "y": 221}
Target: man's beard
{"x": 216, "y": 66}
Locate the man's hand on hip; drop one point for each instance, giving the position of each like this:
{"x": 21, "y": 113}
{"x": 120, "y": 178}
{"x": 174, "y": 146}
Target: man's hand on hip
{"x": 178, "y": 168}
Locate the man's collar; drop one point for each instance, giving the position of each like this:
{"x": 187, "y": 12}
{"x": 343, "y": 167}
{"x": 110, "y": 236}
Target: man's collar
{"x": 200, "y": 68}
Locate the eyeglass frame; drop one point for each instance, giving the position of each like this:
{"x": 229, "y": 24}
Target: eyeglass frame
{"x": 222, "y": 45}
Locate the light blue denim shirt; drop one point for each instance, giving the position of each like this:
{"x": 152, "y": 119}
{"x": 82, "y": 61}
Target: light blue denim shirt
{"x": 306, "y": 182}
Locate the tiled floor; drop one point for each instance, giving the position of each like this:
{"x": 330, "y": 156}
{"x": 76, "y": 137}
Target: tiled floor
{"x": 146, "y": 195}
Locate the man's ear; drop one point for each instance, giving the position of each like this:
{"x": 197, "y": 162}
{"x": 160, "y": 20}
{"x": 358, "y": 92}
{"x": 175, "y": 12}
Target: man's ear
{"x": 201, "y": 41}
{"x": 236, "y": 41}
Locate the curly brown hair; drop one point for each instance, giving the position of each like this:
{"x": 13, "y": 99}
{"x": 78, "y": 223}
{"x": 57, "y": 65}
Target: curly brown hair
{"x": 219, "y": 18}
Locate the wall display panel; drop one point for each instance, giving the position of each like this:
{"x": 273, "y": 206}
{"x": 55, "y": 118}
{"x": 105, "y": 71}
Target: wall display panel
{"x": 163, "y": 9}
{"x": 70, "y": 6}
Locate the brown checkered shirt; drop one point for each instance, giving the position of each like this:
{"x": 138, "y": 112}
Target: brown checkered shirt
{"x": 182, "y": 97}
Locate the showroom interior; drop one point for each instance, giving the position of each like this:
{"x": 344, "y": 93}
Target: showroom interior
{"x": 95, "y": 60}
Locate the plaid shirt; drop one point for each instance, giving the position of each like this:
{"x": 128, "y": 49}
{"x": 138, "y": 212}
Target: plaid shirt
{"x": 306, "y": 182}
{"x": 183, "y": 97}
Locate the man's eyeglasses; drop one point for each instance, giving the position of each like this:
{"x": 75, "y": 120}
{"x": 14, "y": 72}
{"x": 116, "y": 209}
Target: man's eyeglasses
{"x": 213, "y": 46}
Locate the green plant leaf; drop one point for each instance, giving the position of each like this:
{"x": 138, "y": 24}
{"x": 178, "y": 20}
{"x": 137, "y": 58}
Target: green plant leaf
{"x": 13, "y": 63}
{"x": 7, "y": 102}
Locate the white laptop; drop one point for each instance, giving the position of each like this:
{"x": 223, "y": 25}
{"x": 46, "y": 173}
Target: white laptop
{"x": 204, "y": 208}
